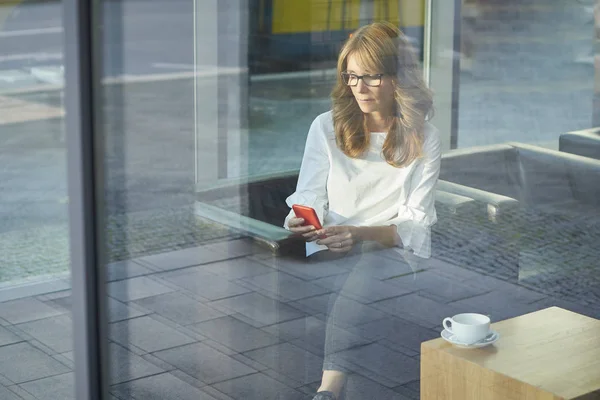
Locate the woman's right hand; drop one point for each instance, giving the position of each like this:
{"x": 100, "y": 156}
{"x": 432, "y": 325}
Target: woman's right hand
{"x": 308, "y": 232}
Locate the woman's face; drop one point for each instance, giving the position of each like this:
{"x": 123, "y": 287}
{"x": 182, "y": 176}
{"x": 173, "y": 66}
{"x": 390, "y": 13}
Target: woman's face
{"x": 377, "y": 101}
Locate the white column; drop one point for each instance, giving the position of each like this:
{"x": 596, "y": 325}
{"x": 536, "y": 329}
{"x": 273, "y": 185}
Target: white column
{"x": 221, "y": 96}
{"x": 367, "y": 11}
{"x": 596, "y": 58}
{"x": 441, "y": 64}
{"x": 206, "y": 93}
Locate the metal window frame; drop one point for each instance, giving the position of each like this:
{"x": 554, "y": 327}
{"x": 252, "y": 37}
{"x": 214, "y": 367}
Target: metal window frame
{"x": 456, "y": 73}
{"x": 81, "y": 19}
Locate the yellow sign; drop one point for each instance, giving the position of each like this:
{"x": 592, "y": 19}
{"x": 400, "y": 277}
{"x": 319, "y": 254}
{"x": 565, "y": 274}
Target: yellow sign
{"x": 293, "y": 16}
{"x": 6, "y": 8}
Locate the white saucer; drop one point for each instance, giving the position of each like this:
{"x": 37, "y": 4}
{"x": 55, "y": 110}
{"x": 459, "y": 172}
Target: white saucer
{"x": 449, "y": 337}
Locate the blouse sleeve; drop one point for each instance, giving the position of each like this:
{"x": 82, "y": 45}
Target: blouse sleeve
{"x": 417, "y": 214}
{"x": 311, "y": 189}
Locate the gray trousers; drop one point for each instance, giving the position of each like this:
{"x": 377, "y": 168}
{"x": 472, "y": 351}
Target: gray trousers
{"x": 365, "y": 264}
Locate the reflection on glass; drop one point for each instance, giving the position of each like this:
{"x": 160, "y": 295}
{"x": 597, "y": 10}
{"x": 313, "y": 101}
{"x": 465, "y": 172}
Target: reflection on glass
{"x": 35, "y": 303}
{"x": 216, "y": 125}
{"x": 369, "y": 170}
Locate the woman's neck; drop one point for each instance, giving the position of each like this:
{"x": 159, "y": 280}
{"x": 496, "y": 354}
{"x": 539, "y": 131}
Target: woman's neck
{"x": 378, "y": 123}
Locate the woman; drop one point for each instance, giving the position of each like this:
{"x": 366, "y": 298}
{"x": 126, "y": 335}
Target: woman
{"x": 370, "y": 165}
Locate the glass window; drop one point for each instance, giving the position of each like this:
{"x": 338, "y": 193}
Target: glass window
{"x": 35, "y": 304}
{"x": 462, "y": 179}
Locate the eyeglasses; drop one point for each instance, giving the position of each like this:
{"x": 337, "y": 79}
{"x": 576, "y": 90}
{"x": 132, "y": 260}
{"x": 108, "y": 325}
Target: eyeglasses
{"x": 369, "y": 80}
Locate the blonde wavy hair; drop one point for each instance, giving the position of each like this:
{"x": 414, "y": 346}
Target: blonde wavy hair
{"x": 382, "y": 48}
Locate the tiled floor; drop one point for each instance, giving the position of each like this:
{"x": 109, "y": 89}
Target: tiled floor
{"x": 228, "y": 321}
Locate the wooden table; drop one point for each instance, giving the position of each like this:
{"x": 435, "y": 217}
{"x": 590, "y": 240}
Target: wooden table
{"x": 548, "y": 354}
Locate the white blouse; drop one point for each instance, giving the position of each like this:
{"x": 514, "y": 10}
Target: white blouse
{"x": 367, "y": 191}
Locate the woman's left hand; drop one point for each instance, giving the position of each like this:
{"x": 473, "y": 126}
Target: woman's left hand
{"x": 339, "y": 239}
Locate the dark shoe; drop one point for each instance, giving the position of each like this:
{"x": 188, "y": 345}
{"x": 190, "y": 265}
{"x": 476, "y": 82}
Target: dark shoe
{"x": 324, "y": 396}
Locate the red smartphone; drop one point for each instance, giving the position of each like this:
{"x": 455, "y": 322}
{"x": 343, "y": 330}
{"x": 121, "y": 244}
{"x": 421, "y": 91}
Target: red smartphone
{"x": 309, "y": 214}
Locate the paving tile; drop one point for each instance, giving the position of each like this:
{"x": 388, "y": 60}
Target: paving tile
{"x": 6, "y": 394}
{"x": 519, "y": 294}
{"x": 291, "y": 361}
{"x": 117, "y": 311}
{"x": 489, "y": 282}
{"x": 311, "y": 331}
{"x": 60, "y": 387}
{"x": 195, "y": 270}
{"x": 55, "y": 332}
{"x": 414, "y": 386}
{"x": 41, "y": 346}
{"x": 126, "y": 366}
{"x": 209, "y": 286}
{"x": 309, "y": 389}
{"x": 54, "y": 295}
{"x": 160, "y": 387}
{"x": 158, "y": 362}
{"x": 398, "y": 332}
{"x": 318, "y": 304}
{"x": 379, "y": 266}
{"x": 61, "y": 358}
{"x": 593, "y": 312}
{"x": 136, "y": 288}
{"x": 215, "y": 393}
{"x": 263, "y": 310}
{"x": 362, "y": 288}
{"x": 179, "y": 308}
{"x": 258, "y": 387}
{"x": 267, "y": 255}
{"x": 147, "y": 334}
{"x": 392, "y": 253}
{"x": 22, "y": 362}
{"x": 236, "y": 268}
{"x": 383, "y": 362}
{"x": 125, "y": 269}
{"x": 437, "y": 287}
{"x": 7, "y": 337}
{"x": 286, "y": 286}
{"x": 348, "y": 312}
{"x": 220, "y": 347}
{"x": 184, "y": 258}
{"x": 502, "y": 298}
{"x": 423, "y": 311}
{"x": 407, "y": 393}
{"x": 64, "y": 302}
{"x": 499, "y": 306}
{"x": 278, "y": 376}
{"x": 234, "y": 334}
{"x": 182, "y": 376}
{"x": 68, "y": 355}
{"x": 359, "y": 387}
{"x": 305, "y": 270}
{"x": 452, "y": 271}
{"x": 204, "y": 363}
{"x": 34, "y": 289}
{"x": 24, "y": 310}
{"x": 235, "y": 248}
{"x": 4, "y": 381}
{"x": 248, "y": 361}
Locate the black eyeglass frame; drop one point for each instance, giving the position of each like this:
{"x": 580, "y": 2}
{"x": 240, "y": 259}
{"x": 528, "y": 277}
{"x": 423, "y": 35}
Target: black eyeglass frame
{"x": 359, "y": 77}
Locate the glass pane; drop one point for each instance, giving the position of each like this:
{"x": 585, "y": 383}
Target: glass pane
{"x": 518, "y": 189}
{"x": 217, "y": 123}
{"x": 35, "y": 303}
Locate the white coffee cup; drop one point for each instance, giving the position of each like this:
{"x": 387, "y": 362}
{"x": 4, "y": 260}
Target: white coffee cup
{"x": 468, "y": 327}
